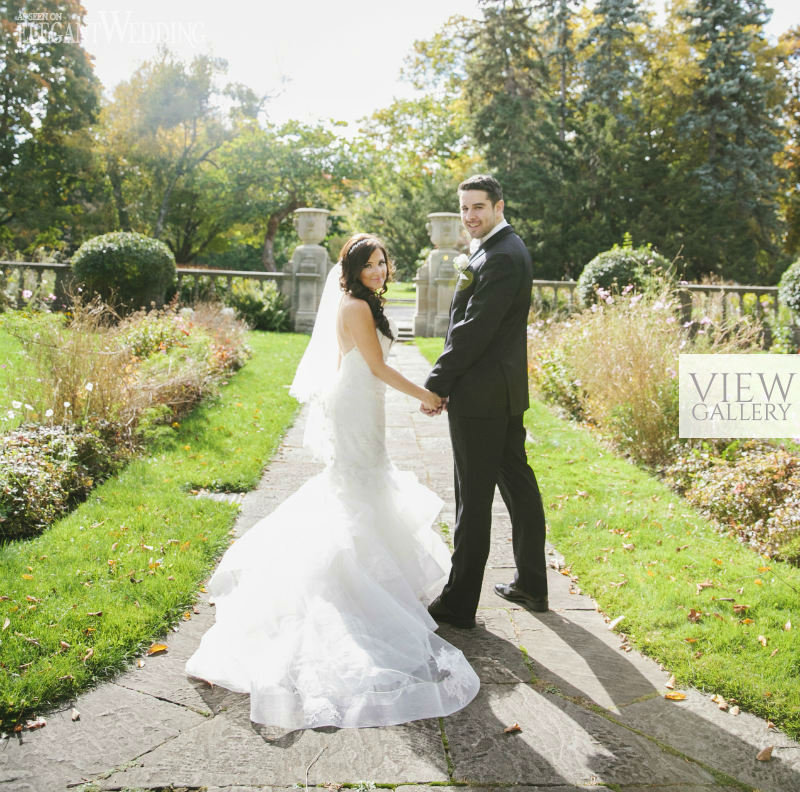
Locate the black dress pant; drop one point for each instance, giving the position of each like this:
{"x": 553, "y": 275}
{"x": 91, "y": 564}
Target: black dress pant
{"x": 489, "y": 452}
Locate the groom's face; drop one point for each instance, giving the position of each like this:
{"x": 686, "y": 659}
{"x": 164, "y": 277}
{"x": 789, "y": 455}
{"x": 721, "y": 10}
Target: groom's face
{"x": 477, "y": 213}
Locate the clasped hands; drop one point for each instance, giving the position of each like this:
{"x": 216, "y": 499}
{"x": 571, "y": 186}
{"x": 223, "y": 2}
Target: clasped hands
{"x": 432, "y": 411}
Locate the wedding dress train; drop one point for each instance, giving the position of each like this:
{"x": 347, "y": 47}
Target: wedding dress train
{"x": 320, "y": 606}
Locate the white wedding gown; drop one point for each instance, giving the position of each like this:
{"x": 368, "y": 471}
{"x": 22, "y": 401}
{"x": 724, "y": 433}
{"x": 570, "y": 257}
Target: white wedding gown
{"x": 320, "y": 612}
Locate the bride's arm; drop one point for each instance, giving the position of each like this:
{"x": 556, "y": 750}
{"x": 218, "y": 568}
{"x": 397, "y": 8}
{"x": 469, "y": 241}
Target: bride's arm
{"x": 358, "y": 322}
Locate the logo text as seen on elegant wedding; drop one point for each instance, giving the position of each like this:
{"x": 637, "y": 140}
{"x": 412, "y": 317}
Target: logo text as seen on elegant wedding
{"x": 35, "y": 28}
{"x": 739, "y": 395}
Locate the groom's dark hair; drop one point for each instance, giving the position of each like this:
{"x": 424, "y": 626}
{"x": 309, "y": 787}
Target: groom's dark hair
{"x": 484, "y": 182}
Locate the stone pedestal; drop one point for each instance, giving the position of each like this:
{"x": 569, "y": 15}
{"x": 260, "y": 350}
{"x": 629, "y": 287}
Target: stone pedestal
{"x": 309, "y": 266}
{"x": 437, "y": 276}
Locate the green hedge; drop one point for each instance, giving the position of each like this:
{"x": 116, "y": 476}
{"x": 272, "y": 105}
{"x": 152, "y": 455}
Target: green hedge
{"x": 126, "y": 269}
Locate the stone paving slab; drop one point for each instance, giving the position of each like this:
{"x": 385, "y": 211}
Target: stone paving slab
{"x": 229, "y": 749}
{"x": 698, "y": 728}
{"x": 577, "y": 653}
{"x": 560, "y": 743}
{"x": 116, "y": 724}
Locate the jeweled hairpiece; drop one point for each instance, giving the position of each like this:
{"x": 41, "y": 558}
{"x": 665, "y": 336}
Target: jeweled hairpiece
{"x": 360, "y": 243}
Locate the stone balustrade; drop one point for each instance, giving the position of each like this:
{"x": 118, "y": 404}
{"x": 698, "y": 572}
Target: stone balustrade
{"x": 303, "y": 280}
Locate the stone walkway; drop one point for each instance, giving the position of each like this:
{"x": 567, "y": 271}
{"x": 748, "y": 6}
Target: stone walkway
{"x": 591, "y": 715}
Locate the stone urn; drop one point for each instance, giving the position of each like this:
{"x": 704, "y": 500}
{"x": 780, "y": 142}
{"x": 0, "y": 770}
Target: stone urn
{"x": 444, "y": 229}
{"x": 311, "y": 225}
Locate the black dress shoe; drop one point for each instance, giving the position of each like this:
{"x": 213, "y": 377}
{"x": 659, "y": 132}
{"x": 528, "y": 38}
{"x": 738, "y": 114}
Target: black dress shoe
{"x": 443, "y": 614}
{"x": 510, "y": 592}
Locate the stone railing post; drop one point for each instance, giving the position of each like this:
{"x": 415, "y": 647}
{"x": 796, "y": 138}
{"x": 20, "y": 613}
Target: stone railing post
{"x": 309, "y": 267}
{"x": 437, "y": 276}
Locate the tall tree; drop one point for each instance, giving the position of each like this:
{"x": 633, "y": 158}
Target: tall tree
{"x": 162, "y": 127}
{"x": 789, "y": 159}
{"x": 515, "y": 103}
{"x": 610, "y": 145}
{"x": 271, "y": 171}
{"x": 729, "y": 196}
{"x": 48, "y": 97}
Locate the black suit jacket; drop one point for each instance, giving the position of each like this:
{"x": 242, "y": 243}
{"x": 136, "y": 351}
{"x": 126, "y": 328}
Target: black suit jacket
{"x": 483, "y": 369}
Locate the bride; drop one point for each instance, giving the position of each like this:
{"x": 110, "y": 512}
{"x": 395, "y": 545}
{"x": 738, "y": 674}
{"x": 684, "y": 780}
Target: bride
{"x": 321, "y": 606}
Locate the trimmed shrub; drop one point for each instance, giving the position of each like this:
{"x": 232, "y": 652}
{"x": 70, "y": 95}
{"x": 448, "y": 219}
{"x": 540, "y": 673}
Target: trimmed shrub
{"x": 126, "y": 269}
{"x": 261, "y": 305}
{"x": 46, "y": 470}
{"x": 789, "y": 288}
{"x": 615, "y": 269}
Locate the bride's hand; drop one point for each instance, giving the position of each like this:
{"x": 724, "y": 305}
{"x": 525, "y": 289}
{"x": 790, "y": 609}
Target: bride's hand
{"x": 432, "y": 401}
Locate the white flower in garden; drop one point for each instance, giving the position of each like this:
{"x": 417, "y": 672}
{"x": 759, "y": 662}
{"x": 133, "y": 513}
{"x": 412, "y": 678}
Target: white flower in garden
{"x": 10, "y": 414}
{"x": 27, "y": 294}
{"x": 67, "y": 405}
{"x": 28, "y": 407}
{"x": 16, "y": 405}
{"x": 48, "y": 414}
{"x": 89, "y": 387}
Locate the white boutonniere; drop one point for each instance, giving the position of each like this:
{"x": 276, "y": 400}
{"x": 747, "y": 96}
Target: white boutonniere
{"x": 461, "y": 262}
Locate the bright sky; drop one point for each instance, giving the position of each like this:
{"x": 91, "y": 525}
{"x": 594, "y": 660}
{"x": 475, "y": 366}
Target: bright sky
{"x": 321, "y": 59}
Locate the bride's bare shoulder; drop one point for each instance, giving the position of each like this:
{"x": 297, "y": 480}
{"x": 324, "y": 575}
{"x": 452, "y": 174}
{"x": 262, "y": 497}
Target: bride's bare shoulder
{"x": 353, "y": 309}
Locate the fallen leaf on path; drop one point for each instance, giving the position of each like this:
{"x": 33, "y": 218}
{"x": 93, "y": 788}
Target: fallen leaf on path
{"x": 514, "y": 727}
{"x": 95, "y": 613}
{"x": 762, "y": 639}
{"x": 614, "y": 622}
{"x": 740, "y": 608}
{"x": 773, "y": 653}
{"x": 156, "y": 648}
{"x": 690, "y": 640}
{"x": 38, "y": 723}
{"x": 75, "y": 714}
{"x": 671, "y": 683}
{"x": 140, "y": 663}
{"x": 734, "y": 710}
{"x": 787, "y": 626}
{"x": 720, "y": 701}
{"x": 704, "y": 584}
{"x": 88, "y": 654}
{"x": 694, "y": 615}
{"x": 675, "y": 696}
{"x": 765, "y": 754}
{"x": 6, "y": 623}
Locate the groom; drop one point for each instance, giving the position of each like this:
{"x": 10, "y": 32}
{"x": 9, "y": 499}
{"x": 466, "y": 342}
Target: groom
{"x": 483, "y": 375}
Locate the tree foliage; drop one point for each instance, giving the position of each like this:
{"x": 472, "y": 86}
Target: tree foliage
{"x": 48, "y": 97}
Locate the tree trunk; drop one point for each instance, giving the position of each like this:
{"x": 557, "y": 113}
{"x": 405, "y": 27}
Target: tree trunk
{"x": 273, "y": 221}
{"x": 268, "y": 251}
{"x": 116, "y": 186}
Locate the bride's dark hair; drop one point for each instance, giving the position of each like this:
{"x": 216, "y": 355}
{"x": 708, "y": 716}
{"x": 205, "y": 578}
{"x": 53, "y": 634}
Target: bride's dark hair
{"x": 354, "y": 257}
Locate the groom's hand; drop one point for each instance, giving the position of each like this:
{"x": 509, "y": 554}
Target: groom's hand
{"x": 433, "y": 413}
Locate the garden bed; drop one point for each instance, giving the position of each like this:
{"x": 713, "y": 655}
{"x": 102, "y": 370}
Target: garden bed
{"x": 78, "y": 602}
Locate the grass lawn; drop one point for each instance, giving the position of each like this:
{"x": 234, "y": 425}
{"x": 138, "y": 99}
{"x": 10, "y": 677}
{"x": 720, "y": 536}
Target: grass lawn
{"x": 405, "y": 290}
{"x": 711, "y": 610}
{"x": 79, "y": 601}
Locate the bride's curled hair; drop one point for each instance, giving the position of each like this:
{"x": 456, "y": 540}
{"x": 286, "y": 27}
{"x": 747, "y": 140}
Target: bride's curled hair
{"x": 354, "y": 257}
